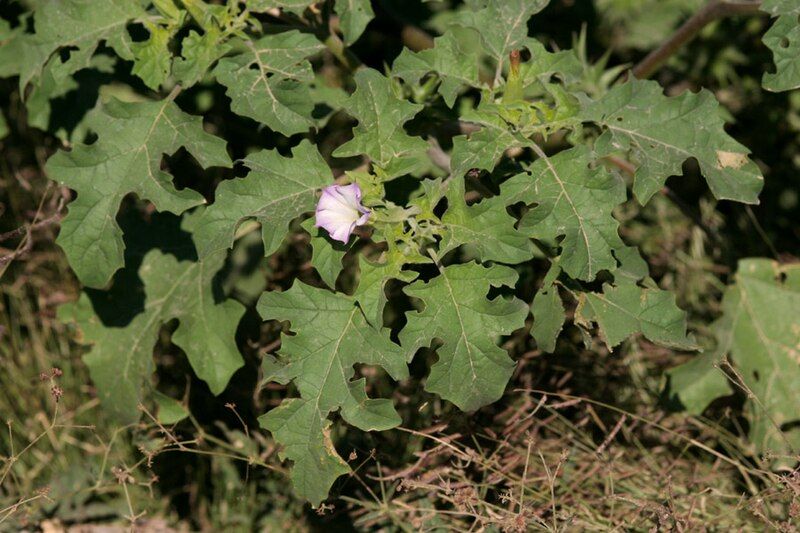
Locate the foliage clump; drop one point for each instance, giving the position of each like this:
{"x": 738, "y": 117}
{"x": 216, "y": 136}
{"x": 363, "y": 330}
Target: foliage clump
{"x": 497, "y": 171}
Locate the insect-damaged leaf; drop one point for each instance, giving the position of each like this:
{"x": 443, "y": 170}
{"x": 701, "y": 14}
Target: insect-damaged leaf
{"x": 662, "y": 132}
{"x": 783, "y": 38}
{"x": 269, "y": 81}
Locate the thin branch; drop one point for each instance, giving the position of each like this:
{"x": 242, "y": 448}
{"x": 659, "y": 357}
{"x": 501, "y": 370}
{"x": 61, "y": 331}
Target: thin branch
{"x": 689, "y": 30}
{"x": 26, "y": 244}
{"x": 23, "y": 230}
{"x": 762, "y": 233}
{"x": 438, "y": 157}
{"x": 338, "y": 49}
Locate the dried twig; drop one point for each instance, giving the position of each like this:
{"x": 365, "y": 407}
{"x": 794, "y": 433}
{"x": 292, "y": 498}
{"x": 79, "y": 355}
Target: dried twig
{"x": 25, "y": 232}
{"x": 689, "y": 30}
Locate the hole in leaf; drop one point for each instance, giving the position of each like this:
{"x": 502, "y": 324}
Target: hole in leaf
{"x": 65, "y": 53}
{"x": 137, "y": 32}
{"x": 619, "y": 119}
{"x": 756, "y": 375}
{"x": 789, "y": 426}
{"x": 784, "y": 43}
{"x": 254, "y": 66}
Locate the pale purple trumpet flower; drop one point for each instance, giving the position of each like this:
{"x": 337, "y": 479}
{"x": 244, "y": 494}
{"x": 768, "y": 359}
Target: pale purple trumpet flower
{"x": 339, "y": 211}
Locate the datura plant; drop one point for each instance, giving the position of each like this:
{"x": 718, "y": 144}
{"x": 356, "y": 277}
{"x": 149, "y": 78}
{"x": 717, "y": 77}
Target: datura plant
{"x": 509, "y": 154}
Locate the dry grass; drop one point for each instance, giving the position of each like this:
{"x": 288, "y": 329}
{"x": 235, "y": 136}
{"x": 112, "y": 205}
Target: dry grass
{"x": 554, "y": 465}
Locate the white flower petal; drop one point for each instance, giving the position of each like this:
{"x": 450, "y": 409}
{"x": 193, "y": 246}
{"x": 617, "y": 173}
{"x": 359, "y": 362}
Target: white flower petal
{"x": 339, "y": 211}
{"x": 330, "y": 216}
{"x": 342, "y": 232}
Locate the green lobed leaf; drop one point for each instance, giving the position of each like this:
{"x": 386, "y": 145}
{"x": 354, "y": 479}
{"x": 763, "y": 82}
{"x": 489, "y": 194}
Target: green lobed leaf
{"x": 662, "y": 132}
{"x": 698, "y": 382}
{"x": 354, "y": 15}
{"x": 269, "y": 81}
{"x": 78, "y": 24}
{"x": 759, "y": 332}
{"x": 783, "y": 38}
{"x": 56, "y": 80}
{"x": 548, "y": 312}
{"x": 121, "y": 357}
{"x": 543, "y": 64}
{"x": 632, "y": 267}
{"x": 575, "y": 201}
{"x": 370, "y": 293}
{"x": 170, "y": 410}
{"x": 502, "y": 24}
{"x": 10, "y": 39}
{"x": 151, "y": 57}
{"x": 198, "y": 53}
{"x": 326, "y": 254}
{"x": 331, "y": 336}
{"x": 276, "y": 191}
{"x": 484, "y": 148}
{"x": 132, "y": 140}
{"x": 379, "y": 134}
{"x": 456, "y": 66}
{"x": 472, "y": 371}
{"x": 304, "y": 433}
{"x": 623, "y": 310}
{"x": 485, "y": 225}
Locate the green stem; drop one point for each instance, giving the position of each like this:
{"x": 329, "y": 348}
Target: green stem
{"x": 339, "y": 50}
